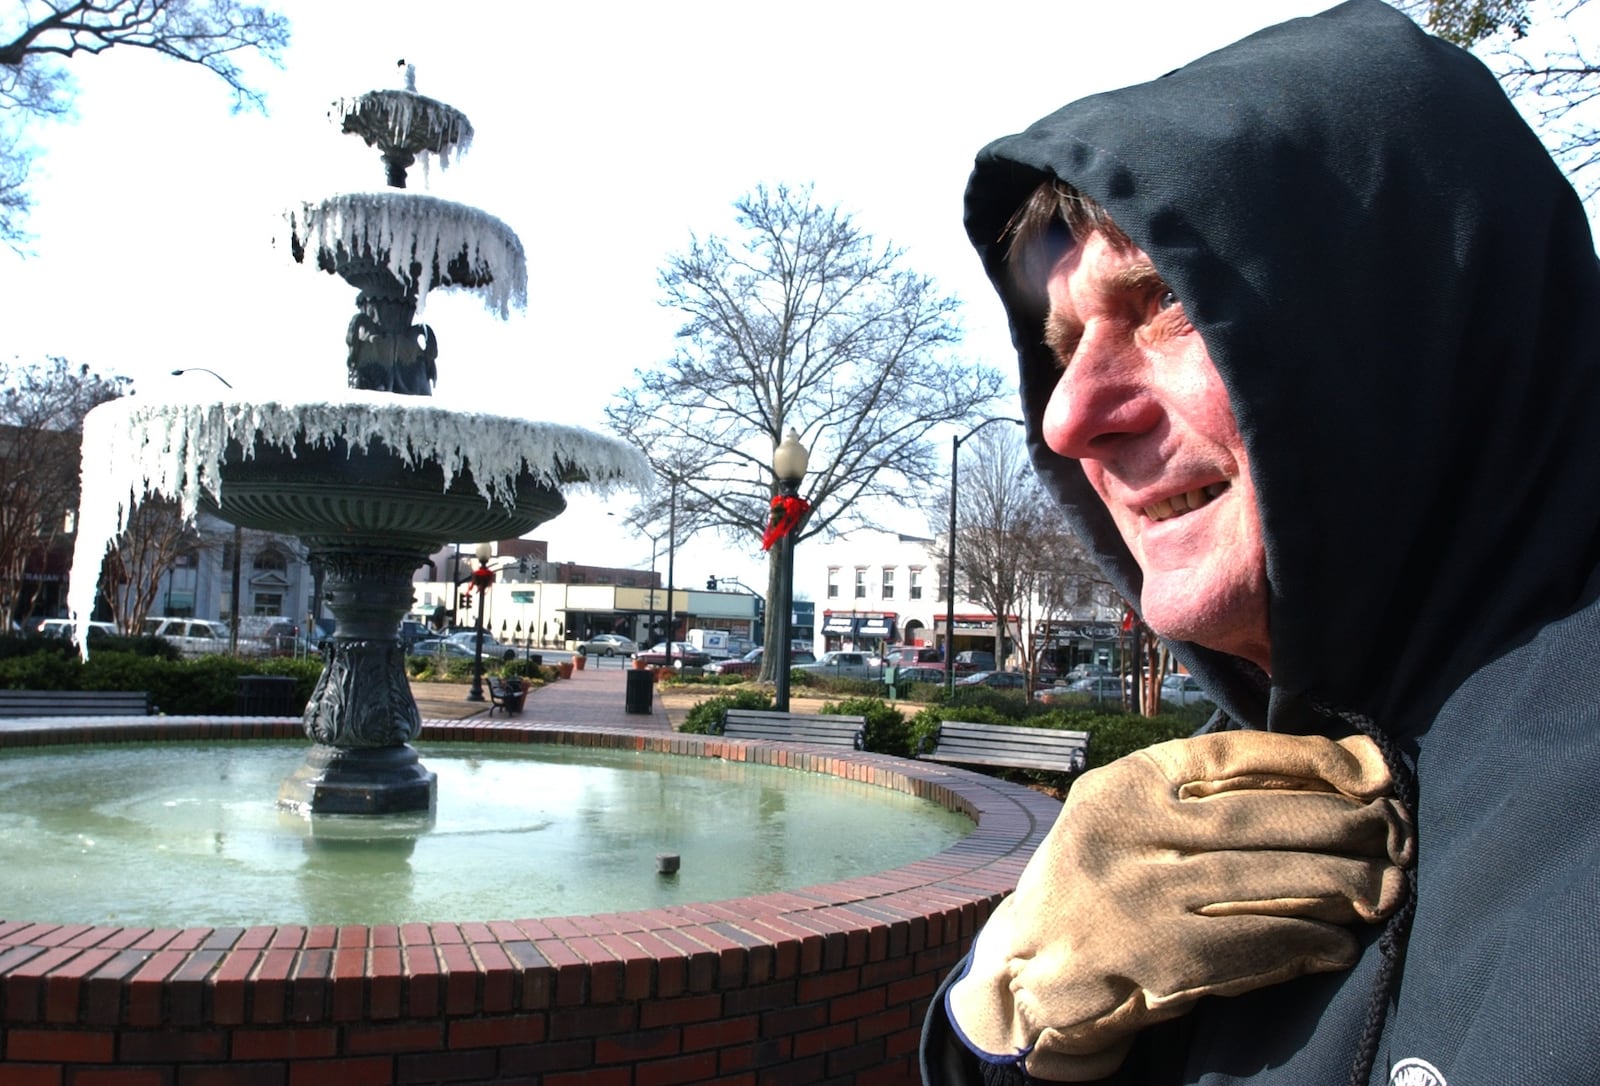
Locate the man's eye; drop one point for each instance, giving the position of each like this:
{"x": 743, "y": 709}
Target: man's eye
{"x": 1167, "y": 300}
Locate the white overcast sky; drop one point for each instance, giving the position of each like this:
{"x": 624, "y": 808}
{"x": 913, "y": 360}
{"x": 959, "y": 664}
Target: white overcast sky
{"x": 606, "y": 134}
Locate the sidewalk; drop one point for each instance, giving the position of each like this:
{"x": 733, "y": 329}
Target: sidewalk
{"x": 597, "y": 695}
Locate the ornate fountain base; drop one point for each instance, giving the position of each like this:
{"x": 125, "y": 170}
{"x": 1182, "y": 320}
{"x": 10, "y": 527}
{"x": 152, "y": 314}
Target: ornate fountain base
{"x": 369, "y": 519}
{"x": 362, "y": 780}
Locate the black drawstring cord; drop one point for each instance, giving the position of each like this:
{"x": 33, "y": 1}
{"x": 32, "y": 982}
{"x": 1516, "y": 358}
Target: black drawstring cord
{"x": 1392, "y": 943}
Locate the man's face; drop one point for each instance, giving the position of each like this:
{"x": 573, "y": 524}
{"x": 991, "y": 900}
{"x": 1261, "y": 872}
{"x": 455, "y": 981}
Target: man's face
{"x": 1141, "y": 407}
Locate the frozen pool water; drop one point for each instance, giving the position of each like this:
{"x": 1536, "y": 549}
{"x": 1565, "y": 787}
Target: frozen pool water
{"x": 189, "y": 834}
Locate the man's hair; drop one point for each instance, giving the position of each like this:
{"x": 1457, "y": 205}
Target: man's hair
{"x": 1053, "y": 219}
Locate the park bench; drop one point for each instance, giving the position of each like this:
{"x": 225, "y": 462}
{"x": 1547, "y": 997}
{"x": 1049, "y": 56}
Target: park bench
{"x": 20, "y": 703}
{"x": 1008, "y": 746}
{"x": 509, "y": 695}
{"x": 823, "y": 729}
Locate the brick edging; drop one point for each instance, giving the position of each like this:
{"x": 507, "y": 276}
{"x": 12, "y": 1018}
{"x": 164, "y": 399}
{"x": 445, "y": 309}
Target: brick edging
{"x": 827, "y": 981}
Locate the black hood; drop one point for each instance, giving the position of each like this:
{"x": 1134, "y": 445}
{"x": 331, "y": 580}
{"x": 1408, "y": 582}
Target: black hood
{"x": 1399, "y": 290}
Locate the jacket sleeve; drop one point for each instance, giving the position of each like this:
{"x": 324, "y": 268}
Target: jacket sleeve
{"x": 1157, "y": 1057}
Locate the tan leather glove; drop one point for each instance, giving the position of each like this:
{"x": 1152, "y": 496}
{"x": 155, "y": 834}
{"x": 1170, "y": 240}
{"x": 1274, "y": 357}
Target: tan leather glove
{"x": 1205, "y": 866}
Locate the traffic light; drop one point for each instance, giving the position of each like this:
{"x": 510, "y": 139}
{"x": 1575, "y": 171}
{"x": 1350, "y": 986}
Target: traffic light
{"x": 711, "y": 584}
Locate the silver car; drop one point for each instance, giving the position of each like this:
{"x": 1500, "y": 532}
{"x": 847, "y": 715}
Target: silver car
{"x": 848, "y": 665}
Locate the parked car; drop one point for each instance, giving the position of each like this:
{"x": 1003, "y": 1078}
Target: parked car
{"x": 193, "y": 637}
{"x": 1087, "y": 671}
{"x": 412, "y": 631}
{"x": 1182, "y": 690}
{"x": 917, "y": 673}
{"x": 907, "y": 655}
{"x": 750, "y": 662}
{"x": 492, "y": 649}
{"x": 683, "y": 655}
{"x": 441, "y": 646}
{"x": 62, "y": 627}
{"x": 850, "y": 665}
{"x": 1103, "y": 688}
{"x": 607, "y": 644}
{"x": 1000, "y": 680}
{"x": 972, "y": 660}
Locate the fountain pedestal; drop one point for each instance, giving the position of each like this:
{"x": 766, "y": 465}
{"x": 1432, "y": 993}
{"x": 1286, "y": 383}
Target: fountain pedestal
{"x": 362, "y": 716}
{"x": 369, "y": 518}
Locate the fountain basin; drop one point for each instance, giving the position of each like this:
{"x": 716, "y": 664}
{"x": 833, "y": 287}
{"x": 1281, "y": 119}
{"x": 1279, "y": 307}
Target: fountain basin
{"x": 829, "y": 982}
{"x": 372, "y": 495}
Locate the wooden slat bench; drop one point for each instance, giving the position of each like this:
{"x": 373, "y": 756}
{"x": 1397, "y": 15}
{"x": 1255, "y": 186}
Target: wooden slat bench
{"x": 503, "y": 696}
{"x": 823, "y": 729}
{"x": 1010, "y": 746}
{"x": 20, "y": 703}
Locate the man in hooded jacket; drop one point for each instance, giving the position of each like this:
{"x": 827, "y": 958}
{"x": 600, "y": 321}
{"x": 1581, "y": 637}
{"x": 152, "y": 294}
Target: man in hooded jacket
{"x": 1394, "y": 483}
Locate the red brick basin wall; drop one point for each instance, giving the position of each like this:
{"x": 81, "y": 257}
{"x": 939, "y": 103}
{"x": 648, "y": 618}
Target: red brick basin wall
{"x": 827, "y": 984}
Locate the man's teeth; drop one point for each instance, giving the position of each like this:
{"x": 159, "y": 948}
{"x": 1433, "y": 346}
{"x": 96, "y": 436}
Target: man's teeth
{"x": 1178, "y": 504}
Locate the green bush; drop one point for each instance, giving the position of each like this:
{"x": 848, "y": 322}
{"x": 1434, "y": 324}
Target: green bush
{"x": 886, "y": 732}
{"x": 207, "y": 686}
{"x": 707, "y": 715}
{"x": 52, "y": 669}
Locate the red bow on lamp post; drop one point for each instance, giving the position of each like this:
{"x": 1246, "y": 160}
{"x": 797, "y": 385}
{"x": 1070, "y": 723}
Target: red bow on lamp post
{"x": 783, "y": 518}
{"x": 482, "y": 577}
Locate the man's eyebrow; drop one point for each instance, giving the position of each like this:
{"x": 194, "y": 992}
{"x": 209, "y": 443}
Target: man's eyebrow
{"x": 1061, "y": 333}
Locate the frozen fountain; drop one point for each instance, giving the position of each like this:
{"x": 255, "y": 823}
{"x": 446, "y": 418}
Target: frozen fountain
{"x": 372, "y": 482}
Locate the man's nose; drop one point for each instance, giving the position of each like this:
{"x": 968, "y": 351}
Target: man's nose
{"x": 1102, "y": 396}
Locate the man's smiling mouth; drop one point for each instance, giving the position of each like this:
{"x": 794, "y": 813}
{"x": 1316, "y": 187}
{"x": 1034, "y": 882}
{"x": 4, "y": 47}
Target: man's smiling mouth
{"x": 1179, "y": 504}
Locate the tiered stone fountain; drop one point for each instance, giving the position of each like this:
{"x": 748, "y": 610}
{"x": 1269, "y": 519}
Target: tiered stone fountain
{"x": 372, "y": 483}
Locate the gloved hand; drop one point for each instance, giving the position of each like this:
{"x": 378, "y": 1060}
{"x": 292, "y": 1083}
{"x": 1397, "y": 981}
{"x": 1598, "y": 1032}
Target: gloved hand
{"x": 1206, "y": 866}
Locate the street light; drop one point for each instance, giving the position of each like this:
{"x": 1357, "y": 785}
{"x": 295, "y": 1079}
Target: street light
{"x": 789, "y": 462}
{"x": 202, "y": 369}
{"x": 482, "y": 578}
{"x": 950, "y": 559}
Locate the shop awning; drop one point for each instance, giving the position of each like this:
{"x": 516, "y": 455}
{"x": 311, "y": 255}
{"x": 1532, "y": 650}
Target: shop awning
{"x": 877, "y": 626}
{"x": 840, "y": 625}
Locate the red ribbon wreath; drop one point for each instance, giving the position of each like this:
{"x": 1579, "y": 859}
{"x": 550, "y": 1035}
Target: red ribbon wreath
{"x": 783, "y": 518}
{"x": 482, "y": 577}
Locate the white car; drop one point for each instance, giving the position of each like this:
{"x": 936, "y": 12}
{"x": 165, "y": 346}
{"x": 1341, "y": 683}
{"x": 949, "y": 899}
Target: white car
{"x": 192, "y": 636}
{"x": 1182, "y": 690}
{"x": 845, "y": 665}
{"x": 62, "y": 627}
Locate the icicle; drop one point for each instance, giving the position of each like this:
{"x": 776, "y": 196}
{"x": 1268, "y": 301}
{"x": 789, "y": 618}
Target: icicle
{"x": 404, "y": 227}
{"x": 134, "y": 447}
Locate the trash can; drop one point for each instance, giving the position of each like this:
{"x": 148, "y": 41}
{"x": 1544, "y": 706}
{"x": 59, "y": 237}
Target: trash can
{"x": 536, "y": 659}
{"x": 265, "y": 695}
{"x": 640, "y": 686}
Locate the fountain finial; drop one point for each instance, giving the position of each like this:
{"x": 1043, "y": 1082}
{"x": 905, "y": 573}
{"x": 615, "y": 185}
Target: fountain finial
{"x": 396, "y": 247}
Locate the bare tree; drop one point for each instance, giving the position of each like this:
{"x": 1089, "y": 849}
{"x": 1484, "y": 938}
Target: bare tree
{"x": 999, "y": 512}
{"x": 1016, "y": 554}
{"x": 41, "y": 426}
{"x": 154, "y": 540}
{"x": 801, "y": 321}
{"x": 39, "y": 35}
{"x": 1551, "y": 74}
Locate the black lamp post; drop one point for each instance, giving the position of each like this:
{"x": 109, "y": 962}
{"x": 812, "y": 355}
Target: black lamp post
{"x": 482, "y": 578}
{"x": 950, "y": 558}
{"x": 789, "y": 462}
{"x": 238, "y": 539}
{"x": 672, "y": 544}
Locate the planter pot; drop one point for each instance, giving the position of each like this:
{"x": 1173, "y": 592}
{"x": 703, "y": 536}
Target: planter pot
{"x": 580, "y": 661}
{"x": 640, "y": 665}
{"x": 564, "y": 670}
